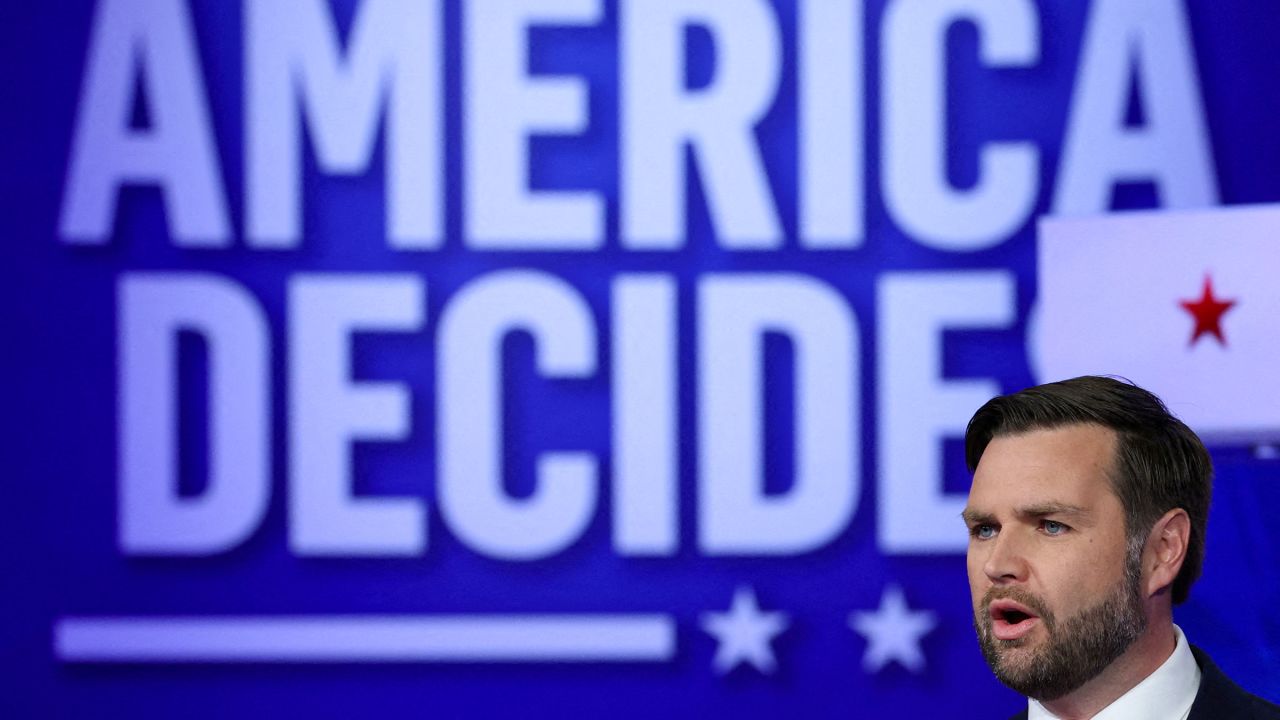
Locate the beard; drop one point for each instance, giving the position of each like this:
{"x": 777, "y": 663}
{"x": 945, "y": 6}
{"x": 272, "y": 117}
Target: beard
{"x": 1078, "y": 648}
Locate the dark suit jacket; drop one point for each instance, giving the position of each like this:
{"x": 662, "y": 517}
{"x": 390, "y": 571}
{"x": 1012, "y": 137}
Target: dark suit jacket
{"x": 1219, "y": 698}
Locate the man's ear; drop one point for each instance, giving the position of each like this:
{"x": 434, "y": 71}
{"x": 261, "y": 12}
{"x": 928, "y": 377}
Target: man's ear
{"x": 1166, "y": 550}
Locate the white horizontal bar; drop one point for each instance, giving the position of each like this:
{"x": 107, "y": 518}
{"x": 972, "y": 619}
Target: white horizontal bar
{"x": 366, "y": 638}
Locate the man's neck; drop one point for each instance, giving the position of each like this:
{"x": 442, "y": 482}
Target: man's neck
{"x": 1144, "y": 657}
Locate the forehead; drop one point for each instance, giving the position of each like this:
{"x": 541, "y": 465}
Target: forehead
{"x": 1070, "y": 464}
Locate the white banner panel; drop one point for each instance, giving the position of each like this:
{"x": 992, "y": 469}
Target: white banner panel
{"x": 1186, "y": 304}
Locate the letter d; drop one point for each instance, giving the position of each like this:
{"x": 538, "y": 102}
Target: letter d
{"x": 154, "y": 518}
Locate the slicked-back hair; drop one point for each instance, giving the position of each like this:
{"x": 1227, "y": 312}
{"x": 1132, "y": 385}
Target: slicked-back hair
{"x": 1160, "y": 463}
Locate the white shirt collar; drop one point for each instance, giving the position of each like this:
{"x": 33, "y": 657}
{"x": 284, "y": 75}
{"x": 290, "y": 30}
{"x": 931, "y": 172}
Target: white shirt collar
{"x": 1166, "y": 693}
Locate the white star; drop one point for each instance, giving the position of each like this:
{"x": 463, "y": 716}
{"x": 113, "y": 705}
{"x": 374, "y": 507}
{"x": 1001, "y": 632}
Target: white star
{"x": 744, "y": 633}
{"x": 893, "y": 632}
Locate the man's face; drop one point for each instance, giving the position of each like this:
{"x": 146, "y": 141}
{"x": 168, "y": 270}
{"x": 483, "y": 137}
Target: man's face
{"x": 1056, "y": 595}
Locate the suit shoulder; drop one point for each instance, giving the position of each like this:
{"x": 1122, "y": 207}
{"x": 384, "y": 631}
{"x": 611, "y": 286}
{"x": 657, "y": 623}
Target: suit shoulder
{"x": 1220, "y": 697}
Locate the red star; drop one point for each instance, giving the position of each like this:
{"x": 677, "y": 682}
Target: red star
{"x": 1208, "y": 312}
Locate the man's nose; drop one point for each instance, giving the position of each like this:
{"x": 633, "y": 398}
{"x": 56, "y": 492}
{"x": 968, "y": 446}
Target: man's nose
{"x": 1007, "y": 561}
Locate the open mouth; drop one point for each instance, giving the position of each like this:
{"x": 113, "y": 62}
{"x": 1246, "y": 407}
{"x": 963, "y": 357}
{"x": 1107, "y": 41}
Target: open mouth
{"x": 1013, "y": 617}
{"x": 1011, "y": 620}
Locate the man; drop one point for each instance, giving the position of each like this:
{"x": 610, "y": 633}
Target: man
{"x": 1086, "y": 525}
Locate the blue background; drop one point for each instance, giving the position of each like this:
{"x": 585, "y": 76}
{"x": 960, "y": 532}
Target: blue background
{"x": 59, "y": 318}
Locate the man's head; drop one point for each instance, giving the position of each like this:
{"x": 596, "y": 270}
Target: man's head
{"x": 1088, "y": 509}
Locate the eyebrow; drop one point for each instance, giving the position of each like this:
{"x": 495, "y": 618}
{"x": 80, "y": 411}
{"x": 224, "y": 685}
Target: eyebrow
{"x": 1051, "y": 508}
{"x": 977, "y": 517}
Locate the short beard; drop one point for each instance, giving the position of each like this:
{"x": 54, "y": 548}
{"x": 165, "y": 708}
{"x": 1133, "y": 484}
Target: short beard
{"x": 1078, "y": 649}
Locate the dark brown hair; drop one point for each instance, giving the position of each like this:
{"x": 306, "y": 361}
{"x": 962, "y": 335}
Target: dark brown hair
{"x": 1160, "y": 464}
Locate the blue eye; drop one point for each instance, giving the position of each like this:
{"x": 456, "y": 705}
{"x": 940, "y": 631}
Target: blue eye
{"x": 983, "y": 532}
{"x": 1053, "y": 527}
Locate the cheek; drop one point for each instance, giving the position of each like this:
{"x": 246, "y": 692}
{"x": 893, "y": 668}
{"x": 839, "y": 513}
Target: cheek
{"x": 977, "y": 577}
{"x": 1082, "y": 579}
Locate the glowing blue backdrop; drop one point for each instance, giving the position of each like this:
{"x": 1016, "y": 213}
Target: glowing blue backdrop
{"x": 595, "y": 358}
